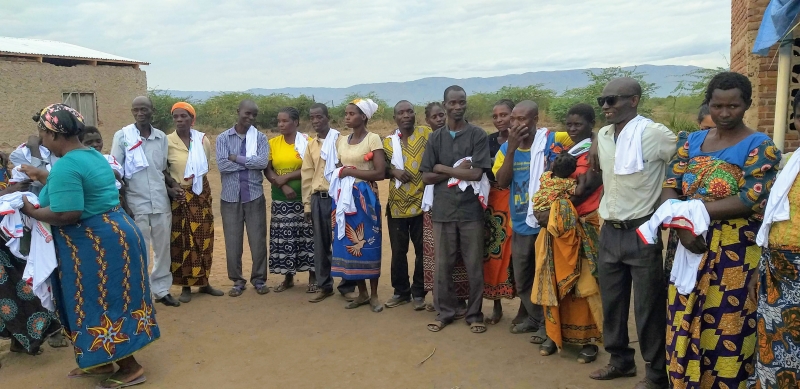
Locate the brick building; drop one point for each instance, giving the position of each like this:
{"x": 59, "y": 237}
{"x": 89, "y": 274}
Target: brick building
{"x": 746, "y": 18}
{"x": 35, "y": 73}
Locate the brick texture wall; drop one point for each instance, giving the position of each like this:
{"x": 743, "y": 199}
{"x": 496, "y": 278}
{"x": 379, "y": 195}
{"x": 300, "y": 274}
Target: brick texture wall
{"x": 28, "y": 86}
{"x": 762, "y": 71}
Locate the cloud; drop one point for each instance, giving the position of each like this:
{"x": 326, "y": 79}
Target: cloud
{"x": 237, "y": 45}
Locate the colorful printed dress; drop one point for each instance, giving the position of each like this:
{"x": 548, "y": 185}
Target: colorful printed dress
{"x": 498, "y": 274}
{"x": 778, "y": 330}
{"x": 711, "y": 332}
{"x": 22, "y": 316}
{"x": 291, "y": 238}
{"x": 357, "y": 256}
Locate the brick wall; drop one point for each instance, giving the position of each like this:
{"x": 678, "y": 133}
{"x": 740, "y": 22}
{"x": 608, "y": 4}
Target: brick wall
{"x": 28, "y": 86}
{"x": 762, "y": 71}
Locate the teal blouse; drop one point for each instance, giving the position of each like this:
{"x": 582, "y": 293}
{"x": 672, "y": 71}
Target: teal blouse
{"x": 83, "y": 181}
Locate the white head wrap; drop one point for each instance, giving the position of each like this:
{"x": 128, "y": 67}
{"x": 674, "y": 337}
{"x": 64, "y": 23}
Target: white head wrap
{"x": 367, "y": 106}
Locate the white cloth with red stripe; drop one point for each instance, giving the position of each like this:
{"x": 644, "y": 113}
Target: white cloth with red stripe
{"x": 41, "y": 260}
{"x": 135, "y": 159}
{"x": 481, "y": 188}
{"x": 196, "y": 162}
{"x": 341, "y": 190}
{"x": 116, "y": 167}
{"x": 688, "y": 215}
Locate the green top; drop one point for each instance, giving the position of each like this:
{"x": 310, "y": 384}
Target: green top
{"x": 82, "y": 181}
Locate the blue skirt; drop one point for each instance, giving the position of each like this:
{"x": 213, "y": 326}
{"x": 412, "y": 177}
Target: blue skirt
{"x": 357, "y": 256}
{"x": 101, "y": 288}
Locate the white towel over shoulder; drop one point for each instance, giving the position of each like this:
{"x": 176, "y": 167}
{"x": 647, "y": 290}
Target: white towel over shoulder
{"x": 328, "y": 153}
{"x": 628, "y": 158}
{"x": 481, "y": 188}
{"x": 341, "y": 190}
{"x": 251, "y": 142}
{"x": 196, "y": 163}
{"x": 688, "y": 215}
{"x": 537, "y": 168}
{"x": 397, "y": 154}
{"x": 135, "y": 159}
{"x": 777, "y": 209}
{"x": 300, "y": 144}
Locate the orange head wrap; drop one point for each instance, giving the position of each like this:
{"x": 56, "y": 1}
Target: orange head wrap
{"x": 188, "y": 107}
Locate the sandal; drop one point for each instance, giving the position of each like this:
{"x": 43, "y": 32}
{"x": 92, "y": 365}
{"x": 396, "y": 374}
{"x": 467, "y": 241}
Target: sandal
{"x": 236, "y": 291}
{"x": 588, "y": 354}
{"x": 57, "y": 340}
{"x": 460, "y": 314}
{"x": 120, "y": 384}
{"x": 523, "y": 328}
{"x": 284, "y": 286}
{"x": 436, "y": 326}
{"x": 540, "y": 336}
{"x": 548, "y": 347}
{"x": 355, "y": 304}
{"x": 477, "y": 328}
{"x": 87, "y": 373}
{"x": 262, "y": 289}
{"x": 430, "y": 308}
{"x": 312, "y": 288}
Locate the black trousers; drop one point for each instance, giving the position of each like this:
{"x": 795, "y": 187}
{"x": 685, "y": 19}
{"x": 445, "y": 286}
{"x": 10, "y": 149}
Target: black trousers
{"x": 401, "y": 231}
{"x": 323, "y": 237}
{"x": 625, "y": 261}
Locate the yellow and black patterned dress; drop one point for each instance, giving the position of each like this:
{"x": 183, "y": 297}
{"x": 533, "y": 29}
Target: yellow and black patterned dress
{"x": 711, "y": 332}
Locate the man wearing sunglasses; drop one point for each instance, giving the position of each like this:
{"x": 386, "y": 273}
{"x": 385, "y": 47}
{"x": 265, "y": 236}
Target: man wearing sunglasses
{"x": 632, "y": 153}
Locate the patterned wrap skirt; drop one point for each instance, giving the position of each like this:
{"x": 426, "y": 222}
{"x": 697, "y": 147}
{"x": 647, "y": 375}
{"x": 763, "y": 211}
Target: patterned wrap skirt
{"x": 357, "y": 256}
{"x": 192, "y": 242}
{"x": 498, "y": 275}
{"x": 778, "y": 348}
{"x": 22, "y": 316}
{"x": 101, "y": 288}
{"x": 460, "y": 278}
{"x": 291, "y": 239}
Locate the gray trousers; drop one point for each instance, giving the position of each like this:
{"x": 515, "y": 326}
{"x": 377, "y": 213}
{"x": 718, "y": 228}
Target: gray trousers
{"x": 626, "y": 261}
{"x": 323, "y": 235}
{"x": 157, "y": 230}
{"x": 523, "y": 260}
{"x": 253, "y": 215}
{"x": 449, "y": 237}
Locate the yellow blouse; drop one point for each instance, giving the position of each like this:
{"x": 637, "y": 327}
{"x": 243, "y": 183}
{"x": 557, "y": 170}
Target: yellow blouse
{"x": 178, "y": 154}
{"x": 353, "y": 155}
{"x": 283, "y": 156}
{"x": 785, "y": 235}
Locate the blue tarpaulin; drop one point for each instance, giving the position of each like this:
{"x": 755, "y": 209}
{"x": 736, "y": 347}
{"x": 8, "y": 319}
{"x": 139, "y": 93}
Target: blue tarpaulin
{"x": 778, "y": 19}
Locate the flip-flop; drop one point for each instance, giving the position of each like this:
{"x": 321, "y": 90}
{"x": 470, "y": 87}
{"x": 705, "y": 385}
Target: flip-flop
{"x": 539, "y": 336}
{"x": 477, "y": 328}
{"x": 86, "y": 374}
{"x": 523, "y": 328}
{"x": 355, "y": 304}
{"x": 283, "y": 286}
{"x": 430, "y": 308}
{"x": 121, "y": 384}
{"x": 436, "y": 326}
{"x": 492, "y": 320}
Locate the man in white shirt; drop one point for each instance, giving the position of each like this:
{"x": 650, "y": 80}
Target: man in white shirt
{"x": 629, "y": 199}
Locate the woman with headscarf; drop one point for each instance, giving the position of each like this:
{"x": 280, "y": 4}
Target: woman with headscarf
{"x": 776, "y": 284}
{"x": 192, "y": 241}
{"x": 23, "y": 319}
{"x": 100, "y": 289}
{"x": 357, "y": 221}
{"x": 291, "y": 237}
{"x": 727, "y": 173}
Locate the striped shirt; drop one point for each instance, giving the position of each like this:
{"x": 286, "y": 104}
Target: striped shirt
{"x": 241, "y": 179}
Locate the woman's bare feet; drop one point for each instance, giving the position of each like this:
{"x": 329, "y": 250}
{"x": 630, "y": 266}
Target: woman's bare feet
{"x": 497, "y": 313}
{"x": 57, "y": 340}
{"x": 130, "y": 372}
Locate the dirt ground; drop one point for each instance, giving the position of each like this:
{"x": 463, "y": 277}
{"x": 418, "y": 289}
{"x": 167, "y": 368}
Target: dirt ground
{"x": 282, "y": 340}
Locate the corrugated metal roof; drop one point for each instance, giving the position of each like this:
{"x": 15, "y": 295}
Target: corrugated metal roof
{"x": 45, "y": 48}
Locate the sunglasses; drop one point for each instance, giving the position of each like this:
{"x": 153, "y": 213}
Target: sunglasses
{"x": 611, "y": 100}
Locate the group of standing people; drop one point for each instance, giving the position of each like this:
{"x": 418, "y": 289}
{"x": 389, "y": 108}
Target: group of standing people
{"x": 512, "y": 214}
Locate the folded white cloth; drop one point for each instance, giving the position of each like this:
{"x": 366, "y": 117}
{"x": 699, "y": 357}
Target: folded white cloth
{"x": 341, "y": 190}
{"x": 17, "y": 175}
{"x": 196, "y": 163}
{"x": 328, "y": 153}
{"x": 397, "y": 154}
{"x": 778, "y": 203}
{"x": 581, "y": 147}
{"x": 367, "y": 106}
{"x": 41, "y": 263}
{"x": 115, "y": 166}
{"x": 300, "y": 144}
{"x": 688, "y": 215}
{"x": 427, "y": 198}
{"x": 537, "y": 168}
{"x": 628, "y": 157}
{"x": 481, "y": 188}
{"x": 135, "y": 159}
{"x": 13, "y": 223}
{"x": 44, "y": 151}
{"x": 251, "y": 142}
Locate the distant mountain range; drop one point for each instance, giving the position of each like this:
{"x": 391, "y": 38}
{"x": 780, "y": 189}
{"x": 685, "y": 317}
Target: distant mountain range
{"x": 430, "y": 89}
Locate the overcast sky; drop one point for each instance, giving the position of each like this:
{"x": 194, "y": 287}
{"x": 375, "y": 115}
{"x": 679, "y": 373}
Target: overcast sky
{"x": 239, "y": 44}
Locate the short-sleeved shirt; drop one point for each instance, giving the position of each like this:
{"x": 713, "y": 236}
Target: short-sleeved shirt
{"x": 451, "y": 204}
{"x": 406, "y": 201}
{"x": 520, "y": 181}
{"x": 178, "y": 155}
{"x": 353, "y": 155}
{"x": 285, "y": 160}
{"x": 82, "y": 181}
{"x": 633, "y": 196}
{"x": 146, "y": 191}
